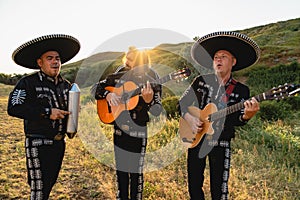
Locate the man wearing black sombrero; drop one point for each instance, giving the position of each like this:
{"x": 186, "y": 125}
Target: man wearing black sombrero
{"x": 223, "y": 52}
{"x": 41, "y": 100}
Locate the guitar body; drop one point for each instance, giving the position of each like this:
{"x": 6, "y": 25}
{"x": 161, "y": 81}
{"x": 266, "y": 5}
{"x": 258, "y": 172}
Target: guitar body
{"x": 210, "y": 113}
{"x": 188, "y": 137}
{"x": 129, "y": 93}
{"x": 107, "y": 113}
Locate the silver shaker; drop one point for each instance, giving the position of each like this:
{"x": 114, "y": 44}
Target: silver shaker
{"x": 73, "y": 107}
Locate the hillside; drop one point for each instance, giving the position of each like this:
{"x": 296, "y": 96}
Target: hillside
{"x": 279, "y": 42}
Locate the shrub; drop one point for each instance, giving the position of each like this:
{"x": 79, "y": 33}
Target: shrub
{"x": 272, "y": 110}
{"x": 170, "y": 106}
{"x": 86, "y": 99}
{"x": 262, "y": 79}
{"x": 294, "y": 102}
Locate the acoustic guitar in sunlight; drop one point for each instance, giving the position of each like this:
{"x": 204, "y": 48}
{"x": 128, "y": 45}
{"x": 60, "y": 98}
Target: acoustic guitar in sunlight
{"x": 129, "y": 93}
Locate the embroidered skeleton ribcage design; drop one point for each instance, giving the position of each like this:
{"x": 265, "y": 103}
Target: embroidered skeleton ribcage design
{"x": 18, "y": 97}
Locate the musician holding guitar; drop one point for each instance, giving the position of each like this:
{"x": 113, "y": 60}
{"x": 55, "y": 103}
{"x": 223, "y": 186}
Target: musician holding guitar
{"x": 224, "y": 52}
{"x": 130, "y": 122}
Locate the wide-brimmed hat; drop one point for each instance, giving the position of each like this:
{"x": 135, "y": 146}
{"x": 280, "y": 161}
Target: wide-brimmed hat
{"x": 27, "y": 54}
{"x": 243, "y": 48}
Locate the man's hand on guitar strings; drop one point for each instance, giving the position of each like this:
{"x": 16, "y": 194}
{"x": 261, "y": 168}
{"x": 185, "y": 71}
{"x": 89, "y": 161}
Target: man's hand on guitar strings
{"x": 251, "y": 108}
{"x": 195, "y": 123}
{"x": 113, "y": 99}
{"x": 147, "y": 92}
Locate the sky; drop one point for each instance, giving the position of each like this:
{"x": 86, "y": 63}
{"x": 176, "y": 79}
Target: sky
{"x": 96, "y": 23}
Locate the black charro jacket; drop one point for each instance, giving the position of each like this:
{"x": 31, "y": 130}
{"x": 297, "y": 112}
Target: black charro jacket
{"x": 32, "y": 100}
{"x": 206, "y": 89}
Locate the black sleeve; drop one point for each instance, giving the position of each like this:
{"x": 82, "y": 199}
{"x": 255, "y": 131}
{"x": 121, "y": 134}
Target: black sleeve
{"x": 23, "y": 102}
{"x": 110, "y": 80}
{"x": 189, "y": 97}
{"x": 155, "y": 106}
{"x": 101, "y": 92}
{"x": 235, "y": 119}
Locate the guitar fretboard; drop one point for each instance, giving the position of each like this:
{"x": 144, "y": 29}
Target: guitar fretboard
{"x": 160, "y": 81}
{"x": 231, "y": 109}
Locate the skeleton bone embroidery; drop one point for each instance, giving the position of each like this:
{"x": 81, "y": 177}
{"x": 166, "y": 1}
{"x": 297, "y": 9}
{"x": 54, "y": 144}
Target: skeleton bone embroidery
{"x": 18, "y": 97}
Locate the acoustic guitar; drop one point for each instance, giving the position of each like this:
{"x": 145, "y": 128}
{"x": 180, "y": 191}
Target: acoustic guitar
{"x": 210, "y": 113}
{"x": 129, "y": 93}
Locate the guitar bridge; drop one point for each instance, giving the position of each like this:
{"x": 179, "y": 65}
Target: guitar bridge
{"x": 188, "y": 141}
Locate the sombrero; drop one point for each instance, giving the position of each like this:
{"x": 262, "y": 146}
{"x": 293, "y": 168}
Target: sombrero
{"x": 243, "y": 48}
{"x": 26, "y": 54}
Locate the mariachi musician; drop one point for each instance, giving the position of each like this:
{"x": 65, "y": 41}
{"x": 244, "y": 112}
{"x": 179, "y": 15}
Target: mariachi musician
{"x": 41, "y": 99}
{"x": 223, "y": 52}
{"x": 130, "y": 127}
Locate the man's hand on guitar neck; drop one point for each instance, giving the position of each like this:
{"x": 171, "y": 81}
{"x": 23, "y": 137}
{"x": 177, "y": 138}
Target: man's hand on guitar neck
{"x": 251, "y": 108}
{"x": 195, "y": 123}
{"x": 147, "y": 93}
{"x": 113, "y": 99}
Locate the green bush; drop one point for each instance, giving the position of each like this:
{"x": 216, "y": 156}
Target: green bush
{"x": 84, "y": 99}
{"x": 262, "y": 79}
{"x": 272, "y": 110}
{"x": 170, "y": 106}
{"x": 294, "y": 102}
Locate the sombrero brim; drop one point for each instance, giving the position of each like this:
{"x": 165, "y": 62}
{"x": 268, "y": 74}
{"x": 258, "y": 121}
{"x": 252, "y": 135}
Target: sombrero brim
{"x": 243, "y": 48}
{"x": 27, "y": 54}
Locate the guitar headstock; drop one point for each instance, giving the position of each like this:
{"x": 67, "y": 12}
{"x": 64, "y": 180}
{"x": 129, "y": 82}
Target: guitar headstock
{"x": 282, "y": 92}
{"x": 181, "y": 74}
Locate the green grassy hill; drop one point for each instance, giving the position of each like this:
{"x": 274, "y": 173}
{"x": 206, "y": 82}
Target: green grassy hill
{"x": 279, "y": 42}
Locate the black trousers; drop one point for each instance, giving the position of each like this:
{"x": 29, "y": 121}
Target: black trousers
{"x": 130, "y": 149}
{"x": 219, "y": 165}
{"x": 43, "y": 159}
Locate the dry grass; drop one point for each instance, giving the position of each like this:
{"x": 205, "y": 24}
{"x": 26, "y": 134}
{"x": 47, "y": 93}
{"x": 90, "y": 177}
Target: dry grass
{"x": 85, "y": 177}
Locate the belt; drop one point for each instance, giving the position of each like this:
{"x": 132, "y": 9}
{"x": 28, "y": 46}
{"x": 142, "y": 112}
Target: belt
{"x": 221, "y": 143}
{"x": 131, "y": 131}
{"x": 56, "y": 137}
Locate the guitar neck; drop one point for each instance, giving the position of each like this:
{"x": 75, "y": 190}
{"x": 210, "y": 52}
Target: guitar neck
{"x": 231, "y": 109}
{"x": 160, "y": 81}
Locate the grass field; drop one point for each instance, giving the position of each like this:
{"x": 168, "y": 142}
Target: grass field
{"x": 265, "y": 163}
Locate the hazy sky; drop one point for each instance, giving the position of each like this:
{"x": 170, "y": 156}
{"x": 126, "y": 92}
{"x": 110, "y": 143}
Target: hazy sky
{"x": 94, "y": 22}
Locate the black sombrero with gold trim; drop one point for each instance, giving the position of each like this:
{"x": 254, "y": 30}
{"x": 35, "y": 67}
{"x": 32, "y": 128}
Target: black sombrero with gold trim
{"x": 243, "y": 48}
{"x": 27, "y": 54}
